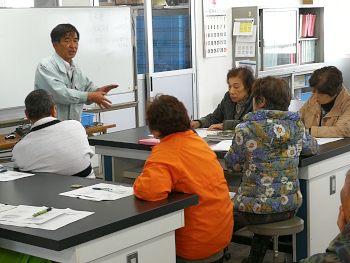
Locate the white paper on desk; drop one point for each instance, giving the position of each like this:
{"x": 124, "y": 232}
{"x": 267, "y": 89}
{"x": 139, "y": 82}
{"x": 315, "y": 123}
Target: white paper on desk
{"x": 222, "y": 146}
{"x": 43, "y": 218}
{"x": 13, "y": 175}
{"x": 117, "y": 192}
{"x": 67, "y": 217}
{"x": 321, "y": 141}
{"x": 24, "y": 214}
{"x": 203, "y": 133}
{"x": 4, "y": 207}
{"x": 19, "y": 213}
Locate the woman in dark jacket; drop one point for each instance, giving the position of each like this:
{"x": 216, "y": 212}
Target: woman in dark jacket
{"x": 237, "y": 102}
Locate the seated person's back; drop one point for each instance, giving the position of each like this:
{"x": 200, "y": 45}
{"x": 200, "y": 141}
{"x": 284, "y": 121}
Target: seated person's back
{"x": 267, "y": 148}
{"x": 183, "y": 162}
{"x": 52, "y": 146}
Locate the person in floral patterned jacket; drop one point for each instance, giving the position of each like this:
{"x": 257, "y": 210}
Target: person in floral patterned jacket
{"x": 266, "y": 148}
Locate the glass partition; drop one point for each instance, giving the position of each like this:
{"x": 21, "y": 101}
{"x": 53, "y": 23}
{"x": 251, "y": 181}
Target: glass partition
{"x": 171, "y": 37}
{"x": 279, "y": 37}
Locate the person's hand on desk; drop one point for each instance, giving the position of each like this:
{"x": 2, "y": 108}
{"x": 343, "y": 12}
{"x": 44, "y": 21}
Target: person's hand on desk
{"x": 195, "y": 124}
{"x": 107, "y": 88}
{"x": 99, "y": 98}
{"x": 219, "y": 126}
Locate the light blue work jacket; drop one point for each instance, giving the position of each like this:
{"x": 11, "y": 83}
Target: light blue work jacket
{"x": 69, "y": 95}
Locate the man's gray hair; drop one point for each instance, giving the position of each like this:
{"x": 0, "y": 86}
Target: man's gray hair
{"x": 39, "y": 104}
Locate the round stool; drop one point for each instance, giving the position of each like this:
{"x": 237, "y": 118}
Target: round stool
{"x": 282, "y": 228}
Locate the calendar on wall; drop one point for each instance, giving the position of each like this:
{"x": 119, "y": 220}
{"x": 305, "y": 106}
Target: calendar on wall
{"x": 215, "y": 28}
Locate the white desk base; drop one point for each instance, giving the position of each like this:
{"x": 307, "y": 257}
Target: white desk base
{"x": 153, "y": 240}
{"x": 322, "y": 207}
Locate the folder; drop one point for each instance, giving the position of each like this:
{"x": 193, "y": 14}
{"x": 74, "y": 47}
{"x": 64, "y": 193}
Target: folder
{"x": 304, "y": 27}
{"x": 308, "y": 24}
{"x": 312, "y": 28}
{"x": 149, "y": 141}
{"x": 300, "y": 25}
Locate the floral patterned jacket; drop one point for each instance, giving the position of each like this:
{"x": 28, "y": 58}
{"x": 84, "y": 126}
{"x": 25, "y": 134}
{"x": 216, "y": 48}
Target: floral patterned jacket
{"x": 267, "y": 148}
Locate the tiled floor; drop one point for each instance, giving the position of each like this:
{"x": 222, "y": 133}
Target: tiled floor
{"x": 239, "y": 252}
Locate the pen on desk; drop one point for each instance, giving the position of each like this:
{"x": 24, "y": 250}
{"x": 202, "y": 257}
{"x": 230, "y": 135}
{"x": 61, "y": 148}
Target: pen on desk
{"x": 3, "y": 170}
{"x": 43, "y": 211}
{"x": 105, "y": 189}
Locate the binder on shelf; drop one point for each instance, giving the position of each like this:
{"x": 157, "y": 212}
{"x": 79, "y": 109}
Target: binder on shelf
{"x": 307, "y": 25}
{"x": 304, "y": 26}
{"x": 312, "y": 27}
{"x": 307, "y": 51}
{"x": 300, "y": 25}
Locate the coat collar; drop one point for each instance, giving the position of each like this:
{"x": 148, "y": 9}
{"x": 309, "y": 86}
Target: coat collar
{"x": 60, "y": 63}
{"x": 338, "y": 104}
{"x": 336, "y": 111}
{"x": 43, "y": 121}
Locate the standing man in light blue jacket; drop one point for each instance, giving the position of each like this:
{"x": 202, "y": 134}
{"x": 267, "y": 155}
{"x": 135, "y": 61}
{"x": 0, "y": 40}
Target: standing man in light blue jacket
{"x": 67, "y": 83}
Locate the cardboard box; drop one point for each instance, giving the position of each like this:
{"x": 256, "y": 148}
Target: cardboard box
{"x": 128, "y": 2}
{"x": 106, "y": 4}
{"x": 308, "y": 2}
{"x": 299, "y": 81}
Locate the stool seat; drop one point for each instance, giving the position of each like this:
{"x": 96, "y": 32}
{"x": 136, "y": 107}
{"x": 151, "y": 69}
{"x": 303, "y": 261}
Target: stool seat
{"x": 282, "y": 228}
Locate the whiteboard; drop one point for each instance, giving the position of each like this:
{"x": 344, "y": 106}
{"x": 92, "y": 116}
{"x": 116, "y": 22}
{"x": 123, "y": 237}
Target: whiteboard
{"x": 104, "y": 54}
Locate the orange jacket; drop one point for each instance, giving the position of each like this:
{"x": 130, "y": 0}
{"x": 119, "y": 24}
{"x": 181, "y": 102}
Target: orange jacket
{"x": 183, "y": 162}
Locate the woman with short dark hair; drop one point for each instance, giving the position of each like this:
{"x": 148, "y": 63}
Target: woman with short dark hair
{"x": 266, "y": 148}
{"x": 183, "y": 162}
{"x": 236, "y": 103}
{"x": 327, "y": 111}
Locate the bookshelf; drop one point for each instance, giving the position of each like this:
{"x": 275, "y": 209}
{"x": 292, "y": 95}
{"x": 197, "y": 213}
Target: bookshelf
{"x": 281, "y": 48}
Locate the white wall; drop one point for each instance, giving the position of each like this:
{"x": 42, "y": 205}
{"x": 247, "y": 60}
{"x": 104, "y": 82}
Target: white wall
{"x": 211, "y": 72}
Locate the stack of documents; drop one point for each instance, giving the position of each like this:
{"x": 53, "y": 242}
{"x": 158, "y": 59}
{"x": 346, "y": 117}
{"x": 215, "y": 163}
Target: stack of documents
{"x": 99, "y": 192}
{"x": 23, "y": 216}
{"x": 12, "y": 175}
{"x": 322, "y": 141}
{"x": 203, "y": 132}
{"x": 223, "y": 146}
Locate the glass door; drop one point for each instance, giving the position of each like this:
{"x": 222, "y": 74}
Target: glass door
{"x": 279, "y": 43}
{"x": 168, "y": 47}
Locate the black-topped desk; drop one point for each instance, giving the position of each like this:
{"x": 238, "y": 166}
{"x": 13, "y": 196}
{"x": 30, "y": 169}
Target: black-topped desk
{"x": 116, "y": 229}
{"x": 320, "y": 207}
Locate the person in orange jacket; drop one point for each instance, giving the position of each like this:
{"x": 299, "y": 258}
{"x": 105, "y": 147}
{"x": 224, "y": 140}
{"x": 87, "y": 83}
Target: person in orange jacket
{"x": 183, "y": 162}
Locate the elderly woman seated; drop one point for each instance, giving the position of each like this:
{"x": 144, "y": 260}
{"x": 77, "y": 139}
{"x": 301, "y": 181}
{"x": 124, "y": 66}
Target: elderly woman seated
{"x": 327, "y": 111}
{"x": 183, "y": 162}
{"x": 266, "y": 147}
{"x": 237, "y": 102}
